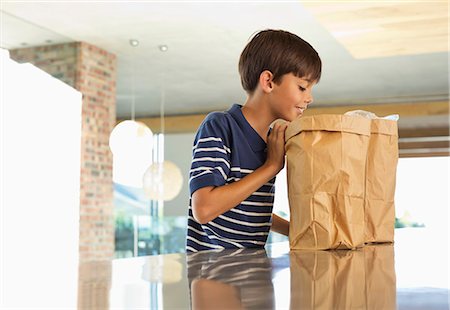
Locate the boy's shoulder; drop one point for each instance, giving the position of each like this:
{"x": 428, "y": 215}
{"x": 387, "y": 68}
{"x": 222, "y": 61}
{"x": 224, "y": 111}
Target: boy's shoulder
{"x": 220, "y": 123}
{"x": 218, "y": 118}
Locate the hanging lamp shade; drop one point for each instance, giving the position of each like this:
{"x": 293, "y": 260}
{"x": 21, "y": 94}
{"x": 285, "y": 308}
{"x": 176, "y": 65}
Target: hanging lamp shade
{"x": 162, "y": 181}
{"x": 131, "y": 144}
{"x": 130, "y": 134}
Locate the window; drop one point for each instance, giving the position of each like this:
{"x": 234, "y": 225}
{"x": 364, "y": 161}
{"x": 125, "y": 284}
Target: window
{"x": 147, "y": 227}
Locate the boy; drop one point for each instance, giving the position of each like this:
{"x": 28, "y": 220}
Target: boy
{"x": 235, "y": 159}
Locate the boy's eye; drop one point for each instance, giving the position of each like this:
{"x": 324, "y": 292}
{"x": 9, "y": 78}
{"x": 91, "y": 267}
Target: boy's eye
{"x": 301, "y": 88}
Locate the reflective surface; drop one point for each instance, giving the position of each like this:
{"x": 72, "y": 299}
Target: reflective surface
{"x": 361, "y": 279}
{"x": 412, "y": 274}
{"x": 236, "y": 279}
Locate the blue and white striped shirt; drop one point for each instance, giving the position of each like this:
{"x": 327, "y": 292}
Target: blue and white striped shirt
{"x": 226, "y": 149}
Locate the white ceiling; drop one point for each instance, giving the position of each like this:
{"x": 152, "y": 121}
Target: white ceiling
{"x": 205, "y": 40}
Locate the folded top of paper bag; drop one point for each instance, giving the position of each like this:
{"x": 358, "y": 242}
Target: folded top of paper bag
{"x": 393, "y": 117}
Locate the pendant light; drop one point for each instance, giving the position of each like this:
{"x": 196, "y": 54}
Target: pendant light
{"x": 131, "y": 143}
{"x": 163, "y": 179}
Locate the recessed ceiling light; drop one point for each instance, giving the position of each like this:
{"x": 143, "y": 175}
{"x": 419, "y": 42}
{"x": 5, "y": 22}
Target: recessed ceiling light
{"x": 163, "y": 48}
{"x": 48, "y": 41}
{"x": 134, "y": 42}
{"x": 24, "y": 44}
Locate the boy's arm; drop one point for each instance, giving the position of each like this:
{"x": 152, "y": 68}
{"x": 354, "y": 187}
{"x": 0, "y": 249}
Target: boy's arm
{"x": 280, "y": 225}
{"x": 210, "y": 202}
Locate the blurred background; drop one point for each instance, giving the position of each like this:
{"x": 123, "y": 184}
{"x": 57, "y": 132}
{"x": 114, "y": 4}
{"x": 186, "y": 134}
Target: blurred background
{"x": 72, "y": 71}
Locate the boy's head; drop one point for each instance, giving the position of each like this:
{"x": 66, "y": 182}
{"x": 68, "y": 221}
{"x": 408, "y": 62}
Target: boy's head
{"x": 280, "y": 52}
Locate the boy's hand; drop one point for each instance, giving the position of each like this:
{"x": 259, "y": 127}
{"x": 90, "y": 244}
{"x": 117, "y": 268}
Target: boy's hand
{"x": 275, "y": 147}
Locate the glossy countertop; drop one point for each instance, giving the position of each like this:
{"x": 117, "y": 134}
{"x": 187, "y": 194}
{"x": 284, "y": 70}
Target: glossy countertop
{"x": 412, "y": 273}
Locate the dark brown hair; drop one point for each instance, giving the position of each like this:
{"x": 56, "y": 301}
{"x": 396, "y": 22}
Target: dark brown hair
{"x": 280, "y": 52}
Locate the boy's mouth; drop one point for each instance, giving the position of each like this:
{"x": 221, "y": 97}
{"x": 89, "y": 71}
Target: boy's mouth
{"x": 301, "y": 109}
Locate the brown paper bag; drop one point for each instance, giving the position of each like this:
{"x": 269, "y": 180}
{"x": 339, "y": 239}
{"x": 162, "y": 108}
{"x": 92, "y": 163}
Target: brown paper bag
{"x": 326, "y": 157}
{"x": 361, "y": 279}
{"x": 381, "y": 169}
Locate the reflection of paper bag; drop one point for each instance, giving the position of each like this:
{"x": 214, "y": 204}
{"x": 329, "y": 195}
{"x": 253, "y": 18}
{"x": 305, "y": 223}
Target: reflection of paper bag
{"x": 361, "y": 279}
{"x": 327, "y": 280}
{"x": 381, "y": 170}
{"x": 326, "y": 156}
{"x": 380, "y": 277}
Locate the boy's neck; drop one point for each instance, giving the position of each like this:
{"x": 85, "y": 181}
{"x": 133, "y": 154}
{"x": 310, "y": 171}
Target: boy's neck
{"x": 258, "y": 115}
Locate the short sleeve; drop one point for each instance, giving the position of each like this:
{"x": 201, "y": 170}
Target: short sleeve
{"x": 210, "y": 153}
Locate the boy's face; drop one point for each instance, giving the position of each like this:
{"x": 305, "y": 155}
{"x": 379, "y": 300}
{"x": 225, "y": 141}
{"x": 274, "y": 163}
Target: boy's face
{"x": 291, "y": 97}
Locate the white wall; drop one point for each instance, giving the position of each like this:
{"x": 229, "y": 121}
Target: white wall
{"x": 40, "y": 188}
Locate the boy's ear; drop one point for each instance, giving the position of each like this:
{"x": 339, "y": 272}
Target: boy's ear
{"x": 266, "y": 81}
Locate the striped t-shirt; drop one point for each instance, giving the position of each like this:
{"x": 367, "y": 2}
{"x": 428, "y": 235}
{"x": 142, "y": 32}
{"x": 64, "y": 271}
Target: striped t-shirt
{"x": 226, "y": 149}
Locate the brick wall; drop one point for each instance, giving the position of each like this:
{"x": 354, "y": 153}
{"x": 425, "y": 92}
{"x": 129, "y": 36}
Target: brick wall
{"x": 92, "y": 71}
{"x": 58, "y": 60}
{"x": 94, "y": 284}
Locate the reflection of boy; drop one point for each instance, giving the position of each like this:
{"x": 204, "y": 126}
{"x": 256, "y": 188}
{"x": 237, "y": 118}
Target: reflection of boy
{"x": 235, "y": 160}
{"x": 234, "y": 279}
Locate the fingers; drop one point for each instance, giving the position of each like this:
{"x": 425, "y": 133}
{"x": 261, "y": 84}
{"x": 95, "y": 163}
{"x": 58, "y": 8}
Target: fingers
{"x": 275, "y": 140}
{"x": 275, "y": 146}
{"x": 278, "y": 131}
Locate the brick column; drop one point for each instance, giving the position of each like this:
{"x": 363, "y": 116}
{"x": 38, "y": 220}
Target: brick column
{"x": 92, "y": 71}
{"x": 94, "y": 284}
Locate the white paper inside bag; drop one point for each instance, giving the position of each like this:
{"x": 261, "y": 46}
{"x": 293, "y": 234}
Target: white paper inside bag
{"x": 370, "y": 115}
